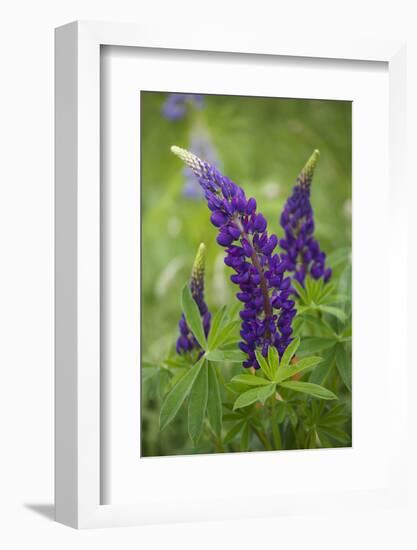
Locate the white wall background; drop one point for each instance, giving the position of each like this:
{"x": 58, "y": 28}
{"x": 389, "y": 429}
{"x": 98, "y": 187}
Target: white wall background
{"x": 26, "y": 268}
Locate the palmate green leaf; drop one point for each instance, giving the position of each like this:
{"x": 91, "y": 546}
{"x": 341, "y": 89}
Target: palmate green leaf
{"x": 312, "y": 344}
{"x": 300, "y": 290}
{"x": 320, "y": 373}
{"x": 335, "y": 311}
{"x": 214, "y": 403}
{"x": 216, "y": 325}
{"x": 317, "y": 323}
{"x": 334, "y": 299}
{"x": 182, "y": 362}
{"x": 256, "y": 394}
{"x": 273, "y": 360}
{"x": 327, "y": 291}
{"x": 308, "y": 286}
{"x": 281, "y": 412}
{"x": 234, "y": 356}
{"x": 344, "y": 366}
{"x": 311, "y": 389}
{"x": 176, "y": 397}
{"x": 232, "y": 433}
{"x": 236, "y": 387}
{"x": 197, "y": 404}
{"x": 251, "y": 380}
{"x": 192, "y": 316}
{"x": 263, "y": 363}
{"x": 336, "y": 433}
{"x": 301, "y": 366}
{"x": 289, "y": 353}
{"x": 226, "y": 332}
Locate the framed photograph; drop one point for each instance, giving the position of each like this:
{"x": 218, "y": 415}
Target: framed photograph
{"x": 228, "y": 213}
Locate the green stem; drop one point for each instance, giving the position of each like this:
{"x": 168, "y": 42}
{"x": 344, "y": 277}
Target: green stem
{"x": 276, "y": 434}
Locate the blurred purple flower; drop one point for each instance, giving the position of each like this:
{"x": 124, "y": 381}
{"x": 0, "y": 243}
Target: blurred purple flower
{"x": 259, "y": 272}
{"x": 302, "y": 252}
{"x": 175, "y": 106}
{"x": 186, "y": 341}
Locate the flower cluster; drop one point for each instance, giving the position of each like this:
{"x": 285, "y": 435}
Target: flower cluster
{"x": 175, "y": 106}
{"x": 302, "y": 252}
{"x": 259, "y": 272}
{"x": 186, "y": 341}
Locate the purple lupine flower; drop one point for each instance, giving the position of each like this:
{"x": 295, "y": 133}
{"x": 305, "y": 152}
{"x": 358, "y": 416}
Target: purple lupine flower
{"x": 259, "y": 272}
{"x": 302, "y": 251}
{"x": 202, "y": 147}
{"x": 186, "y": 341}
{"x": 175, "y": 106}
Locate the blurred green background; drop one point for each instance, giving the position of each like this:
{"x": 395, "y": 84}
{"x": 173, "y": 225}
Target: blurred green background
{"x": 262, "y": 144}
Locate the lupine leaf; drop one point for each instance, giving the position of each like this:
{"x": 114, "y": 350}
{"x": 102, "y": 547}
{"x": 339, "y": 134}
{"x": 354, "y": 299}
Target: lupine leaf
{"x": 334, "y": 299}
{"x": 338, "y": 434}
{"x": 192, "y": 316}
{"x": 335, "y": 311}
{"x": 311, "y": 344}
{"x": 320, "y": 324}
{"x": 176, "y": 397}
{"x": 273, "y": 360}
{"x": 327, "y": 291}
{"x": 214, "y": 403}
{"x": 233, "y": 356}
{"x": 311, "y": 389}
{"x": 288, "y": 353}
{"x": 197, "y": 404}
{"x": 302, "y": 365}
{"x": 344, "y": 366}
{"x": 216, "y": 325}
{"x": 300, "y": 290}
{"x": 281, "y": 412}
{"x": 236, "y": 387}
{"x": 263, "y": 363}
{"x": 256, "y": 394}
{"x": 224, "y": 334}
{"x": 180, "y": 363}
{"x": 320, "y": 373}
{"x": 251, "y": 380}
{"x": 232, "y": 433}
{"x": 292, "y": 415}
{"x": 308, "y": 286}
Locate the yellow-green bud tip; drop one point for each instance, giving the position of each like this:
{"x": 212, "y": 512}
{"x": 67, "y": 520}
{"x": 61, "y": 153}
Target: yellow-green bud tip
{"x": 188, "y": 158}
{"x": 306, "y": 174}
{"x": 197, "y": 273}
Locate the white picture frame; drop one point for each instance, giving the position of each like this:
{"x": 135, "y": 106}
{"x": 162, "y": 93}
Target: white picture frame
{"x": 78, "y": 404}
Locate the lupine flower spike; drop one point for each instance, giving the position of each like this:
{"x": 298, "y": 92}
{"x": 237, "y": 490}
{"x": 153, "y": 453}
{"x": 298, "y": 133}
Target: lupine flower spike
{"x": 259, "y": 272}
{"x": 186, "y": 341}
{"x": 302, "y": 252}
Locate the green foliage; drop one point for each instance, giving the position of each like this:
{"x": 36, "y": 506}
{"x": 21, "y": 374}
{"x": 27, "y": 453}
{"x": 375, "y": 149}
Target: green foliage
{"x": 197, "y": 404}
{"x": 176, "y": 397}
{"x": 192, "y": 316}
